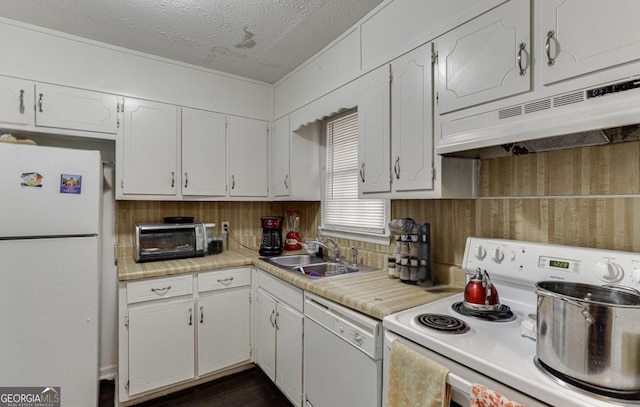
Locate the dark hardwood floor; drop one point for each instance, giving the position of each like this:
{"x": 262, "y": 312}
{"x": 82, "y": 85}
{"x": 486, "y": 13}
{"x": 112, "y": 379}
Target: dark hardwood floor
{"x": 251, "y": 388}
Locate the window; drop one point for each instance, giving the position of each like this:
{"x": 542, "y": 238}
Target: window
{"x": 342, "y": 210}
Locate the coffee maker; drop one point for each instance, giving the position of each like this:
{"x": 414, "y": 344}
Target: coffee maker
{"x": 271, "y": 236}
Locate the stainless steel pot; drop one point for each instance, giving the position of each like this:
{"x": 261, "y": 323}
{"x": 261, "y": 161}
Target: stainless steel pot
{"x": 590, "y": 333}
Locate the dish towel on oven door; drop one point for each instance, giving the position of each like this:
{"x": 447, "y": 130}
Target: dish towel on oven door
{"x": 415, "y": 380}
{"x": 484, "y": 397}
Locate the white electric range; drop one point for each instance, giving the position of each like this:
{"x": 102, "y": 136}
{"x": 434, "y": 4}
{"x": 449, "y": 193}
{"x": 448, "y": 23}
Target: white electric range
{"x": 500, "y": 354}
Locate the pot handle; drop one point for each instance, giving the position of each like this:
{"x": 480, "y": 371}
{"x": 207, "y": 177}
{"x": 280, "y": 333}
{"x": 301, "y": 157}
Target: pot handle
{"x": 585, "y": 312}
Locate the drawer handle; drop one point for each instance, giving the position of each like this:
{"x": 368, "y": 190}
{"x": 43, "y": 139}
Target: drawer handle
{"x": 226, "y": 281}
{"x": 21, "y": 101}
{"x": 161, "y": 291}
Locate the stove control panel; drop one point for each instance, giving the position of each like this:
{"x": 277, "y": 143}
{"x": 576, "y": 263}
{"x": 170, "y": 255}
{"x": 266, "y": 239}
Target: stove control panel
{"x": 529, "y": 262}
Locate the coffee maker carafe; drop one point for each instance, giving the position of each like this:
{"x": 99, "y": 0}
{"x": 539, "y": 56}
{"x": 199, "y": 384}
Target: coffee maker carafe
{"x": 271, "y": 236}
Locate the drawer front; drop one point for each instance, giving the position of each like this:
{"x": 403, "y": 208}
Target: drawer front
{"x": 224, "y": 278}
{"x": 281, "y": 290}
{"x": 155, "y": 289}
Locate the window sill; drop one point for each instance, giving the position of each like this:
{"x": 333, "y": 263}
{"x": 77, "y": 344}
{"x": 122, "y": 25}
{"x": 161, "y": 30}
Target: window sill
{"x": 383, "y": 240}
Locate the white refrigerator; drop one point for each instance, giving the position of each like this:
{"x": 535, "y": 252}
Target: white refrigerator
{"x": 50, "y": 208}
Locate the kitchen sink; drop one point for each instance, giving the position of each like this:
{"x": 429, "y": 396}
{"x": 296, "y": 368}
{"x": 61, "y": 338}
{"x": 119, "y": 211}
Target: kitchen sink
{"x": 324, "y": 269}
{"x": 295, "y": 260}
{"x": 316, "y": 267}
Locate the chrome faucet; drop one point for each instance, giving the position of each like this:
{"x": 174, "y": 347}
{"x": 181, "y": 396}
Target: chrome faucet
{"x": 336, "y": 249}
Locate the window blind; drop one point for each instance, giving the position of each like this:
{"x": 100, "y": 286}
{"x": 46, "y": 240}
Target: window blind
{"x": 343, "y": 210}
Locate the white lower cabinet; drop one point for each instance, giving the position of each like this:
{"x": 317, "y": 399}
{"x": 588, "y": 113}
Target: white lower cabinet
{"x": 278, "y": 334}
{"x": 161, "y": 345}
{"x": 224, "y": 328}
{"x": 177, "y": 329}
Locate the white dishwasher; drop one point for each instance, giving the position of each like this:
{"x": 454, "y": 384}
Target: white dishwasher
{"x": 342, "y": 356}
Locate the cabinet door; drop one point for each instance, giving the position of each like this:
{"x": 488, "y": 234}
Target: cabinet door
{"x": 248, "y": 169}
{"x": 289, "y": 352}
{"x": 486, "y": 59}
{"x": 76, "y": 109}
{"x": 16, "y": 101}
{"x": 204, "y": 154}
{"x": 373, "y": 131}
{"x": 265, "y": 323}
{"x": 585, "y": 36}
{"x": 223, "y": 330}
{"x": 411, "y": 118}
{"x": 161, "y": 345}
{"x": 150, "y": 146}
{"x": 280, "y": 158}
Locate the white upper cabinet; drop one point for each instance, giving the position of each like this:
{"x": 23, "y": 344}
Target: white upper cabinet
{"x": 39, "y": 107}
{"x": 204, "y": 160}
{"x": 280, "y": 158}
{"x": 75, "y": 109}
{"x": 16, "y": 101}
{"x": 374, "y": 111}
{"x": 412, "y": 121}
{"x": 248, "y": 166}
{"x": 149, "y": 154}
{"x": 486, "y": 59}
{"x": 585, "y": 36}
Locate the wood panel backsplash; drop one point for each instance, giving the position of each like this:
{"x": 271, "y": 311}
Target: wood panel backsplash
{"x": 243, "y": 217}
{"x": 580, "y": 197}
{"x": 602, "y": 170}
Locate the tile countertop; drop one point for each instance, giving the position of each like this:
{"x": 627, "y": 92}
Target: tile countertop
{"x": 371, "y": 293}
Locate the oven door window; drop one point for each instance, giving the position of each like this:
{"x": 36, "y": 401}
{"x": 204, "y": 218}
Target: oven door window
{"x": 174, "y": 241}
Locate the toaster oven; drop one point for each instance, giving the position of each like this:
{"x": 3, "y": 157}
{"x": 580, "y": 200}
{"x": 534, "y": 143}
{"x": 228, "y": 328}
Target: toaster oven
{"x": 162, "y": 241}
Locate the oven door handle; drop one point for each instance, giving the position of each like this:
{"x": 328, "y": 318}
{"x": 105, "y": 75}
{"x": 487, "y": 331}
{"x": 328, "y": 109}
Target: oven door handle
{"x": 460, "y": 384}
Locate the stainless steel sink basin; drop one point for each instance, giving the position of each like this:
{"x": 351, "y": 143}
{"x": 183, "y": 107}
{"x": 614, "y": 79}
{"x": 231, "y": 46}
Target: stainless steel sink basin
{"x": 295, "y": 260}
{"x": 315, "y": 267}
{"x": 324, "y": 269}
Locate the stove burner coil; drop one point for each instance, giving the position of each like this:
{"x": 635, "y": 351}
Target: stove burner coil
{"x": 501, "y": 314}
{"x": 443, "y": 323}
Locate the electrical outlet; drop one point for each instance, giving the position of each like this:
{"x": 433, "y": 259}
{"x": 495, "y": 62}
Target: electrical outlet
{"x": 225, "y": 226}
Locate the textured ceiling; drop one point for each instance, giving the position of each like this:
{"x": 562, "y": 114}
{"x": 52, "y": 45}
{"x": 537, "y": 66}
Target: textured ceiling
{"x": 258, "y": 39}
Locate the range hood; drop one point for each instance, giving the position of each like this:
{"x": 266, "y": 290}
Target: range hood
{"x": 572, "y": 119}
